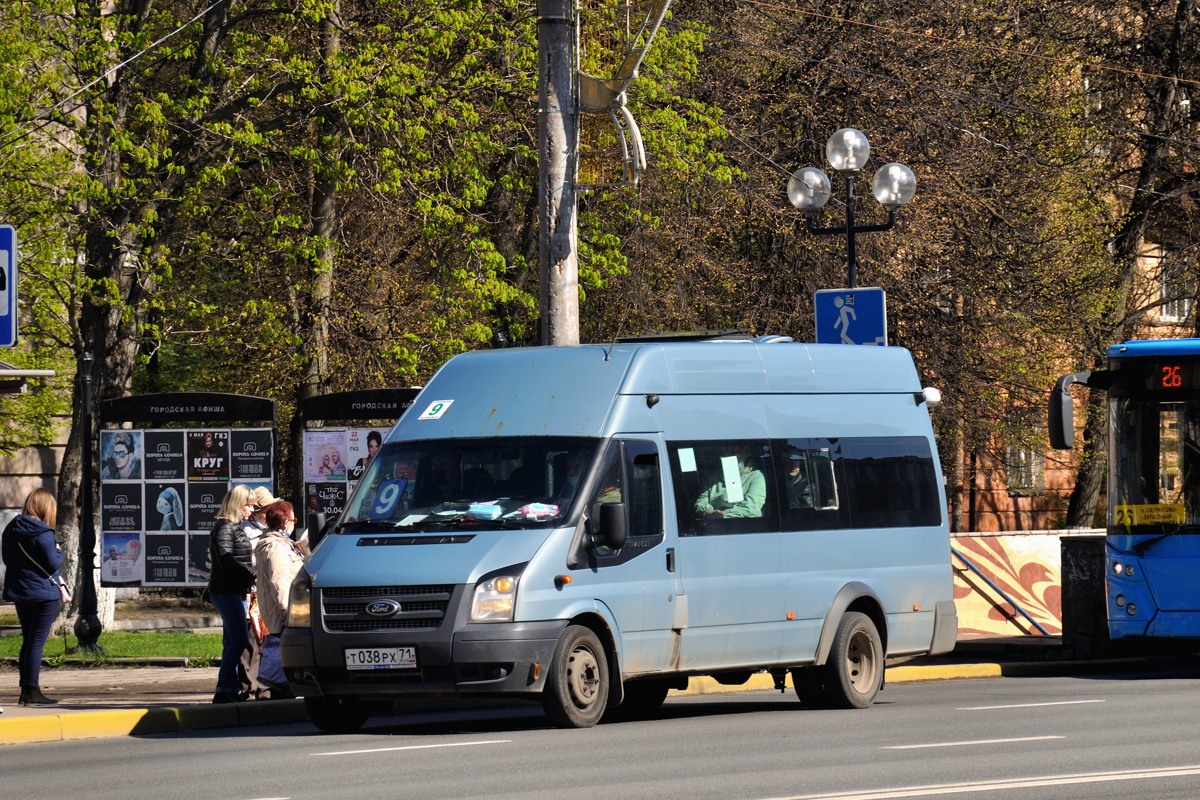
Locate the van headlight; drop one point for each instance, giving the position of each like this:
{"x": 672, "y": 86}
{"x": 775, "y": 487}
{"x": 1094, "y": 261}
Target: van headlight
{"x": 300, "y": 601}
{"x": 495, "y": 597}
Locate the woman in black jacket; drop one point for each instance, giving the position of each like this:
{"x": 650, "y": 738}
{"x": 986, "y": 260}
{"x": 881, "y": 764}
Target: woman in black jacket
{"x": 228, "y": 585}
{"x": 31, "y": 561}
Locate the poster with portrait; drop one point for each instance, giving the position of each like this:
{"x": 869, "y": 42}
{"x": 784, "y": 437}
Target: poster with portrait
{"x": 362, "y": 444}
{"x": 324, "y": 455}
{"x": 165, "y": 509}
{"x": 208, "y": 455}
{"x": 121, "y": 558}
{"x": 325, "y": 498}
{"x": 121, "y": 455}
{"x": 164, "y": 456}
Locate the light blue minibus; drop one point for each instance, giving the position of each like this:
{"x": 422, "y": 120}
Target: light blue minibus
{"x": 591, "y": 526}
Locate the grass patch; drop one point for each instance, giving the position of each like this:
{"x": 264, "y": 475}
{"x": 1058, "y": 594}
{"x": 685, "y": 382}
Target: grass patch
{"x": 199, "y": 648}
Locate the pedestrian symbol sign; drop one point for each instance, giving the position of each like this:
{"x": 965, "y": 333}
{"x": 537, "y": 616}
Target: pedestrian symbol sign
{"x": 851, "y": 316}
{"x": 8, "y": 286}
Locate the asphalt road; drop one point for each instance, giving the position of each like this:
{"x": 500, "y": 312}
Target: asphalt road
{"x": 1112, "y": 736}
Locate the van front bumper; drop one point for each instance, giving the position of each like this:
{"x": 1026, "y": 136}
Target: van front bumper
{"x": 491, "y": 659}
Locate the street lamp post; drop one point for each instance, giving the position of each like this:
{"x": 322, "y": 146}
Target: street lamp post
{"x": 848, "y": 150}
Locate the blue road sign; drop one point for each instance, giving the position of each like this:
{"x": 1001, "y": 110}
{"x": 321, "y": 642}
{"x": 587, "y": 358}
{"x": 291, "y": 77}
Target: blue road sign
{"x": 8, "y": 286}
{"x": 851, "y": 316}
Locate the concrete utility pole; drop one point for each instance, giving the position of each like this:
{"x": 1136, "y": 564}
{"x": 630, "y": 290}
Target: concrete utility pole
{"x": 558, "y": 159}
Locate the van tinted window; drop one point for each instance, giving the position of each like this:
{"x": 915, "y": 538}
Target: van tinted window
{"x": 806, "y": 484}
{"x": 723, "y": 487}
{"x": 892, "y": 482}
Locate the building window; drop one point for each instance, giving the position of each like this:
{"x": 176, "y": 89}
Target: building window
{"x": 1024, "y": 470}
{"x": 1176, "y": 298}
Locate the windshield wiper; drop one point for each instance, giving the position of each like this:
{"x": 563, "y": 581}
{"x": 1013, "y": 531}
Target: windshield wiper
{"x": 372, "y": 524}
{"x": 1141, "y": 546}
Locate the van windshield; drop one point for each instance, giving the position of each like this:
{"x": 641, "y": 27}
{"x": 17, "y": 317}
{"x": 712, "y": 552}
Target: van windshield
{"x": 492, "y": 482}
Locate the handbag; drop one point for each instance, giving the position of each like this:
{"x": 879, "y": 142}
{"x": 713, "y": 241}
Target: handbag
{"x": 64, "y": 591}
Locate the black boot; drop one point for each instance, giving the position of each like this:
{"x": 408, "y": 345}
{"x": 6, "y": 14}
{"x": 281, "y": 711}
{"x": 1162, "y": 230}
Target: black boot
{"x": 32, "y": 696}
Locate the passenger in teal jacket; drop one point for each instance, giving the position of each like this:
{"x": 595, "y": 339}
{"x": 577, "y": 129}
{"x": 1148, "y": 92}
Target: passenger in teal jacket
{"x": 714, "y": 503}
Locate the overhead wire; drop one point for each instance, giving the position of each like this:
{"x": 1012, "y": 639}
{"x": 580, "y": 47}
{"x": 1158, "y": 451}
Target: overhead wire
{"x": 45, "y": 117}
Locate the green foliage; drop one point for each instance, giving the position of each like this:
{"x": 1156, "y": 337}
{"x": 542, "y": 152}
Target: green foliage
{"x": 344, "y": 194}
{"x": 62, "y": 647}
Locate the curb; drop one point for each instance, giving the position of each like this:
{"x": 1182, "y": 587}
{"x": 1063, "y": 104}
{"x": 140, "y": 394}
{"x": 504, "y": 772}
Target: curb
{"x": 103, "y": 723}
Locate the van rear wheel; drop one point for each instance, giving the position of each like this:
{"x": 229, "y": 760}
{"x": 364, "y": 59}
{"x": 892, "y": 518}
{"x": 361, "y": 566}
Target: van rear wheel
{"x": 853, "y": 674}
{"x": 576, "y": 691}
{"x": 336, "y": 714}
{"x": 806, "y": 682}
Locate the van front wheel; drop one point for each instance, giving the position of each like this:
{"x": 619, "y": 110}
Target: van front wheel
{"x": 577, "y": 687}
{"x": 854, "y": 672}
{"x": 336, "y": 714}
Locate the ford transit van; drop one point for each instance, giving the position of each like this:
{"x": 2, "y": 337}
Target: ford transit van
{"x": 592, "y": 526}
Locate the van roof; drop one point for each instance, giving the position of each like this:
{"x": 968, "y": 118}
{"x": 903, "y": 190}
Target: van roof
{"x": 571, "y": 390}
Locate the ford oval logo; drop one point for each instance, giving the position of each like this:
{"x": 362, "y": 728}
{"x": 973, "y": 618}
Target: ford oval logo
{"x": 383, "y": 608}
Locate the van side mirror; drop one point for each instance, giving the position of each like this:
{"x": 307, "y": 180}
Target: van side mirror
{"x": 316, "y": 529}
{"x": 614, "y": 528}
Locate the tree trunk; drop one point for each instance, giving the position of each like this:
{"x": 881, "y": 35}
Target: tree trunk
{"x": 1081, "y": 510}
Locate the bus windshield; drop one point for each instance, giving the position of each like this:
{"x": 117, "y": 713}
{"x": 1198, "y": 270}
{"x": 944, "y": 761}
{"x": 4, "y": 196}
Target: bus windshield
{"x": 1154, "y": 479}
{"x": 478, "y": 483}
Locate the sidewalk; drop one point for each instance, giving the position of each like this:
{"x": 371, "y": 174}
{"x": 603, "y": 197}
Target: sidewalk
{"x": 168, "y": 696}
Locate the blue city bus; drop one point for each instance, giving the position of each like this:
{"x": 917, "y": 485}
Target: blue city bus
{"x": 1152, "y": 552}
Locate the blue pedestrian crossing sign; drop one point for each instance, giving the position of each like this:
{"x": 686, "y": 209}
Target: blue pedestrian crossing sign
{"x": 851, "y": 316}
{"x": 8, "y": 286}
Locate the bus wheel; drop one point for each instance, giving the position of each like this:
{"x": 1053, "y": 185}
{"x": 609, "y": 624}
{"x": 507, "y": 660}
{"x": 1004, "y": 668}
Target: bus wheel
{"x": 854, "y": 672}
{"x": 642, "y": 699}
{"x": 577, "y": 687}
{"x": 336, "y": 714}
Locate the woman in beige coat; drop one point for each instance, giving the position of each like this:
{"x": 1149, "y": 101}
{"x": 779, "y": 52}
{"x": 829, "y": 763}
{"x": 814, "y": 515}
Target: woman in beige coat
{"x": 277, "y": 560}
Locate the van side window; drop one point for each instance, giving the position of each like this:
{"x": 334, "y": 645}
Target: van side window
{"x": 629, "y": 473}
{"x": 723, "y": 487}
{"x": 893, "y": 482}
{"x": 634, "y": 482}
{"x": 810, "y": 472}
{"x": 645, "y": 490}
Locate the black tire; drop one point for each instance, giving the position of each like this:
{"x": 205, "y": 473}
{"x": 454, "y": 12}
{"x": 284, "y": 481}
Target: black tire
{"x": 810, "y": 691}
{"x": 336, "y": 714}
{"x": 853, "y": 674}
{"x": 642, "y": 700}
{"x": 576, "y": 691}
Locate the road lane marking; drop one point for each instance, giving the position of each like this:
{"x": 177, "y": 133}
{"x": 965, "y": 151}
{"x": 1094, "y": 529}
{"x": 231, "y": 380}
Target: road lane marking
{"x": 412, "y": 747}
{"x": 1030, "y": 705}
{"x": 970, "y": 743}
{"x": 1005, "y": 784}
